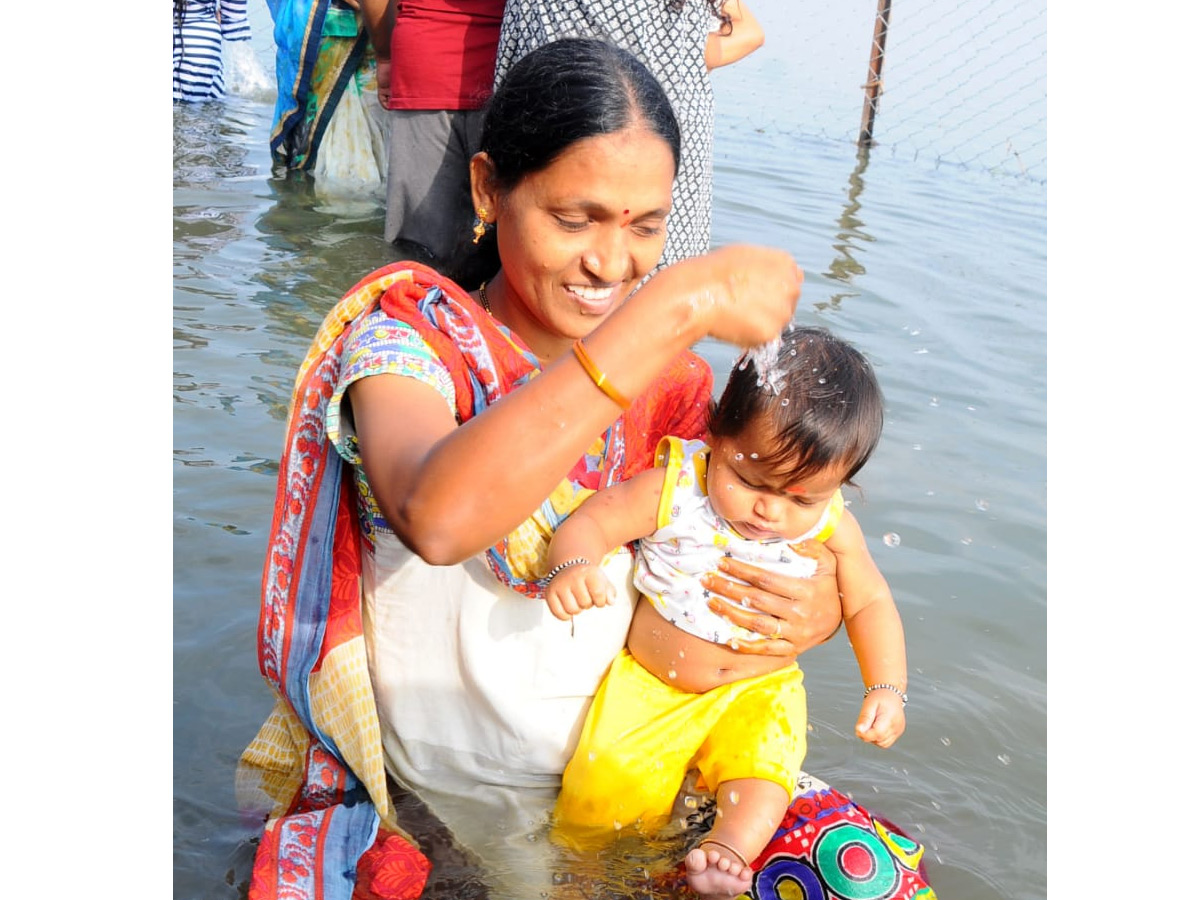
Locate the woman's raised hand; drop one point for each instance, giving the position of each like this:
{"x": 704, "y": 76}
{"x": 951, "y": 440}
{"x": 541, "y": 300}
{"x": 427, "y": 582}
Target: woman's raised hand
{"x": 746, "y": 294}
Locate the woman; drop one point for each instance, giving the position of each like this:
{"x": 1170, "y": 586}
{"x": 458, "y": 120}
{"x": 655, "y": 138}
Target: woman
{"x": 401, "y": 621}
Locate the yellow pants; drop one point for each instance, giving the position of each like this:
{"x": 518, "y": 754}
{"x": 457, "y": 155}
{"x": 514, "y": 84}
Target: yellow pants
{"x": 642, "y": 736}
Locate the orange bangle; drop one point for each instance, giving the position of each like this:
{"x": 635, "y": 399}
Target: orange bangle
{"x": 599, "y": 378}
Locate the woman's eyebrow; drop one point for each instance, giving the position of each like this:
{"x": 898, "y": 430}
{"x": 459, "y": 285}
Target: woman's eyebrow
{"x": 593, "y": 208}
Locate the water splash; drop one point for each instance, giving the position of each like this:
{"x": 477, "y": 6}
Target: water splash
{"x": 244, "y": 74}
{"x": 766, "y": 358}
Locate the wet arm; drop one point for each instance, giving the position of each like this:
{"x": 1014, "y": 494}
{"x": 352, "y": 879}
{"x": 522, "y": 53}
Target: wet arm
{"x": 608, "y": 519}
{"x": 450, "y": 492}
{"x": 872, "y": 620}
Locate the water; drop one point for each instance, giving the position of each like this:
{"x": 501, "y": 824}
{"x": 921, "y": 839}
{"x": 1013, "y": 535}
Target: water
{"x": 936, "y": 273}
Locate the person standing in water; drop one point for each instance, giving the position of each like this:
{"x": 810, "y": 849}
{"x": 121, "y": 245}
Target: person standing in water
{"x": 438, "y": 435}
{"x": 201, "y": 28}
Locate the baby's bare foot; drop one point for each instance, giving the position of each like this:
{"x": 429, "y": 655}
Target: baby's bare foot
{"x": 710, "y": 874}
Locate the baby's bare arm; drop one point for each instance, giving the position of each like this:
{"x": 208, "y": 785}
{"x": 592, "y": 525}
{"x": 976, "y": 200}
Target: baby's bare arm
{"x": 607, "y": 519}
{"x": 875, "y": 631}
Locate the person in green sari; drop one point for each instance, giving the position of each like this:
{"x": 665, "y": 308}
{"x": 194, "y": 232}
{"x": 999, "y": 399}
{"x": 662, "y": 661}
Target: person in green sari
{"x": 328, "y": 122}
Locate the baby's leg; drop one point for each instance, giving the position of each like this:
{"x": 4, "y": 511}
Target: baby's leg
{"x": 749, "y": 811}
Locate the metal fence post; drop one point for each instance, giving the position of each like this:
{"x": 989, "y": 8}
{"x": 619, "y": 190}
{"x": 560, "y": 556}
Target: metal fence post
{"x": 874, "y": 85}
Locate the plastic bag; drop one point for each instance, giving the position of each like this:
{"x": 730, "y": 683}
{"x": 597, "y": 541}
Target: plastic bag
{"x": 353, "y": 154}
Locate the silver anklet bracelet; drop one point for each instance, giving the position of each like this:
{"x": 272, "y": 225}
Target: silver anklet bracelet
{"x": 888, "y": 687}
{"x": 577, "y": 561}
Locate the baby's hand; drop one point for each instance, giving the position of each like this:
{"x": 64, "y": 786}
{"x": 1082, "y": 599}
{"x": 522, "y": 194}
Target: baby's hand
{"x": 881, "y": 719}
{"x": 578, "y": 588}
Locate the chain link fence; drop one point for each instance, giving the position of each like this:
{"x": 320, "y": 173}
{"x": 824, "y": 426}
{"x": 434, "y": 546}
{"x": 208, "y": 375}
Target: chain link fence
{"x": 963, "y": 81}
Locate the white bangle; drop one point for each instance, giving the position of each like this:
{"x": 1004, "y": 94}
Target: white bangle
{"x": 577, "y": 561}
{"x": 888, "y": 687}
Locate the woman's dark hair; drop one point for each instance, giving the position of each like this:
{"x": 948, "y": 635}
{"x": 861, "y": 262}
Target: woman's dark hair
{"x": 554, "y": 96}
{"x": 563, "y": 92}
{"x": 824, "y": 403}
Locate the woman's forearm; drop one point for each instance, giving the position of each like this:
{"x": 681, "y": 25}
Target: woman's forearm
{"x": 450, "y": 495}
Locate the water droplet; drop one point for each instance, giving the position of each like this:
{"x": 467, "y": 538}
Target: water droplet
{"x": 689, "y": 802}
{"x": 671, "y": 673}
{"x": 933, "y": 401}
{"x": 946, "y": 741}
{"x": 784, "y": 402}
{"x": 754, "y": 456}
{"x": 967, "y": 541}
{"x": 820, "y": 381}
{"x": 734, "y": 797}
{"x": 617, "y": 826}
{"x": 916, "y": 446}
{"x": 739, "y": 456}
{"x": 532, "y": 838}
{"x": 1004, "y": 758}
{"x": 981, "y": 505}
{"x": 892, "y": 539}
{"x": 921, "y": 352}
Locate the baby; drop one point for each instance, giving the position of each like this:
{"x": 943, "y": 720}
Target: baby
{"x": 781, "y": 444}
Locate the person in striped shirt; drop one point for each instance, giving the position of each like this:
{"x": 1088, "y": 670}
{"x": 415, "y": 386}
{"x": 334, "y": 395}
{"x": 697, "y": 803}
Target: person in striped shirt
{"x": 200, "y": 28}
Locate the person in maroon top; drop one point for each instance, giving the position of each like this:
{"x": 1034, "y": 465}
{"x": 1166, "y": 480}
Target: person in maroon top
{"x": 435, "y": 63}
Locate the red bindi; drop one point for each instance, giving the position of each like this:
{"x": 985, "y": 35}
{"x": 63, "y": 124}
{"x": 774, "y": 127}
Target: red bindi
{"x": 798, "y": 489}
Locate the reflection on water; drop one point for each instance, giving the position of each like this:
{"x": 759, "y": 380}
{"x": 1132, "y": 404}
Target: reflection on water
{"x": 850, "y": 233}
{"x": 939, "y": 277}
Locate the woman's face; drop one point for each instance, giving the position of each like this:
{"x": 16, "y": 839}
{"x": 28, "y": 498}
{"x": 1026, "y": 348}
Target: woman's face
{"x": 578, "y": 236}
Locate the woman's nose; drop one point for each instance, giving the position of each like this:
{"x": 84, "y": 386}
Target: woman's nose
{"x": 608, "y": 259}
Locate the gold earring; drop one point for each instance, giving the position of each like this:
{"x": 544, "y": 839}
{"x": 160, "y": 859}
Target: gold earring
{"x": 480, "y": 228}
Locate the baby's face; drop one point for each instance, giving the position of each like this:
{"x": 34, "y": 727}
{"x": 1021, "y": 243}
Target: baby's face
{"x": 758, "y": 503}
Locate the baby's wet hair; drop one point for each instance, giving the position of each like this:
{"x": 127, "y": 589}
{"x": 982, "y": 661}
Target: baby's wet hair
{"x": 822, "y": 399}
